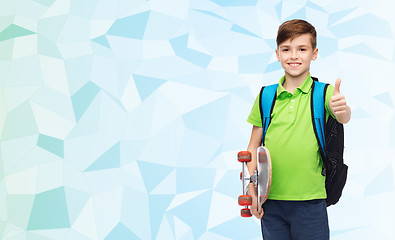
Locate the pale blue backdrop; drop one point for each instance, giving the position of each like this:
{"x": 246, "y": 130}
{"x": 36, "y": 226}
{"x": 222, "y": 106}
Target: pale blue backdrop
{"x": 121, "y": 119}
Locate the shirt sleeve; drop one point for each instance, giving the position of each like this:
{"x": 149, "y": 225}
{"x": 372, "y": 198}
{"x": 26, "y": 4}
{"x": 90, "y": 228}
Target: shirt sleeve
{"x": 328, "y": 96}
{"x": 255, "y": 116}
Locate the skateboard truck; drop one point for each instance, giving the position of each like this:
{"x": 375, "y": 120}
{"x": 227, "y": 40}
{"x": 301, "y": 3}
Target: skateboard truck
{"x": 245, "y": 200}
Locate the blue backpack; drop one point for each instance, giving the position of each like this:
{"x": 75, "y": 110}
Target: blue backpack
{"x": 329, "y": 134}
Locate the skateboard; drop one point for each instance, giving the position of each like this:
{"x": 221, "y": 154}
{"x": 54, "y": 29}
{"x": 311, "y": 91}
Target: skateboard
{"x": 262, "y": 179}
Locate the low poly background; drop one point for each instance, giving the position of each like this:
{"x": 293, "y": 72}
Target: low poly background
{"x": 121, "y": 119}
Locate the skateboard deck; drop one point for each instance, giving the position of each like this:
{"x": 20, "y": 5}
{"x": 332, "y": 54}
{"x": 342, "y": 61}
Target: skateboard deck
{"x": 262, "y": 179}
{"x": 264, "y": 166}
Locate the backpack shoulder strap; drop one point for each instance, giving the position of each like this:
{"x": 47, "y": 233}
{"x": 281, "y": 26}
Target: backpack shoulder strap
{"x": 266, "y": 105}
{"x": 318, "y": 113}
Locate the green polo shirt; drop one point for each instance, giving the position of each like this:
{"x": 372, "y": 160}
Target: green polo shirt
{"x": 293, "y": 147}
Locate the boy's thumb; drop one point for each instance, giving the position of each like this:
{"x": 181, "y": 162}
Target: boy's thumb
{"x": 337, "y": 86}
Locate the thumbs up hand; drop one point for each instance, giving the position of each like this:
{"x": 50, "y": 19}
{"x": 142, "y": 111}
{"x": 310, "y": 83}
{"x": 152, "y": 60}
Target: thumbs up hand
{"x": 338, "y": 105}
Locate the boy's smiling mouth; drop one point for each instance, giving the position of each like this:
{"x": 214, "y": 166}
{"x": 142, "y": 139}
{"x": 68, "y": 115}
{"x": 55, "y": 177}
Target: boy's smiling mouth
{"x": 294, "y": 65}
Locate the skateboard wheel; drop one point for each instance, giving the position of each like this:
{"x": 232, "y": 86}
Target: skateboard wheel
{"x": 245, "y": 200}
{"x": 245, "y": 212}
{"x": 244, "y": 156}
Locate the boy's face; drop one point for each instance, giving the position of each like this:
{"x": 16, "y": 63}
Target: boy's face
{"x": 296, "y": 55}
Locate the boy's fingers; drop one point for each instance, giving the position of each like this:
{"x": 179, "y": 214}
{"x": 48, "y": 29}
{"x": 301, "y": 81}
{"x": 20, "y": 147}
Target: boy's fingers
{"x": 337, "y": 97}
{"x": 340, "y": 112}
{"x": 258, "y": 215}
{"x": 338, "y": 102}
{"x": 261, "y": 215}
{"x": 337, "y": 86}
{"x": 339, "y": 109}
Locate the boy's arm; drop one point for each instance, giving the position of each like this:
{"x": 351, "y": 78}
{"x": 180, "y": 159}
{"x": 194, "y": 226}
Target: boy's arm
{"x": 338, "y": 105}
{"x": 255, "y": 142}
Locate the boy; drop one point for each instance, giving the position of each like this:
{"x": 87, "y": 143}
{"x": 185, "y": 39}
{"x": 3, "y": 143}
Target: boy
{"x": 296, "y": 207}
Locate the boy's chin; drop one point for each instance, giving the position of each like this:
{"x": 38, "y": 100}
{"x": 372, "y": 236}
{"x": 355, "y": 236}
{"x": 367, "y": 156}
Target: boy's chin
{"x": 296, "y": 74}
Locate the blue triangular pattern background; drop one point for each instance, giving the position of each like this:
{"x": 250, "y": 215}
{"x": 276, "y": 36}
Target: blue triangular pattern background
{"x": 194, "y": 179}
{"x": 194, "y": 208}
{"x": 51, "y": 144}
{"x": 301, "y": 14}
{"x": 49, "y": 211}
{"x": 147, "y": 85}
{"x": 143, "y": 104}
{"x": 102, "y": 40}
{"x": 363, "y": 25}
{"x": 158, "y": 206}
{"x": 110, "y": 159}
{"x": 121, "y": 232}
{"x": 327, "y": 46}
{"x": 131, "y": 26}
{"x": 83, "y": 98}
{"x": 312, "y": 5}
{"x": 209, "y": 119}
{"x": 363, "y": 49}
{"x": 211, "y": 14}
{"x": 153, "y": 174}
{"x": 14, "y": 31}
{"x": 240, "y": 29}
{"x": 383, "y": 183}
{"x": 235, "y": 2}
{"x": 385, "y": 98}
{"x": 77, "y": 199}
{"x": 180, "y": 44}
{"x": 227, "y": 229}
{"x": 334, "y": 17}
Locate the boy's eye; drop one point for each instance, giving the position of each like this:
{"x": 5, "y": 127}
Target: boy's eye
{"x": 303, "y": 49}
{"x": 285, "y": 49}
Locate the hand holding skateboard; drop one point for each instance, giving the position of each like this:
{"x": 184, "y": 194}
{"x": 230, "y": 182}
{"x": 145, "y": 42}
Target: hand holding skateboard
{"x": 261, "y": 179}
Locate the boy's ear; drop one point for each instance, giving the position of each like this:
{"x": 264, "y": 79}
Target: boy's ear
{"x": 315, "y": 54}
{"x": 278, "y": 55}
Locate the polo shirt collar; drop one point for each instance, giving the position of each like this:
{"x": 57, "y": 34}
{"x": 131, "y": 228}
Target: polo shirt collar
{"x": 305, "y": 87}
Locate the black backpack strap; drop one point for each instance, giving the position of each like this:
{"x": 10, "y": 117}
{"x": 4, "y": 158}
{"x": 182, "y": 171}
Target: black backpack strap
{"x": 318, "y": 114}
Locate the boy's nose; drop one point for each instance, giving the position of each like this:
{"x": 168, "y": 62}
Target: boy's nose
{"x": 294, "y": 54}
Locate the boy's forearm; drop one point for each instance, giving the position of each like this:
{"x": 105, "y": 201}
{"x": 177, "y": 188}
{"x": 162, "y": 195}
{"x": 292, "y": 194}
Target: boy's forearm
{"x": 255, "y": 142}
{"x": 252, "y": 166}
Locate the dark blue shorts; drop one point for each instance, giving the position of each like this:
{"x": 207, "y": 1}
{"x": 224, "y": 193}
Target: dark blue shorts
{"x": 296, "y": 220}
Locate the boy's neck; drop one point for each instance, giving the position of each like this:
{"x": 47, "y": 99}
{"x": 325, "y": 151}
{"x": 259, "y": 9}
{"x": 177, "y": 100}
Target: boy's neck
{"x": 291, "y": 83}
